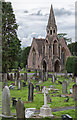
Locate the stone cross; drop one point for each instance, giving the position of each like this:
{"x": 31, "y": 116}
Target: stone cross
{"x": 45, "y": 91}
{"x": 6, "y": 101}
{"x": 20, "y": 110}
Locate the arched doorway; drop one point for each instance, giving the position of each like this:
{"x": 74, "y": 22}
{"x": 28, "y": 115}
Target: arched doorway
{"x": 44, "y": 66}
{"x": 57, "y": 66}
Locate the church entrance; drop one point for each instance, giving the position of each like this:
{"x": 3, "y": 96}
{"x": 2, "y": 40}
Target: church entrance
{"x": 44, "y": 66}
{"x": 56, "y": 66}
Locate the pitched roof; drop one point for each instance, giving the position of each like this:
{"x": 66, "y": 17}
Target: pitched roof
{"x": 40, "y": 42}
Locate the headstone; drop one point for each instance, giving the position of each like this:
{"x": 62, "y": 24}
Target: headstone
{"x": 14, "y": 101}
{"x": 25, "y": 77}
{"x": 6, "y": 101}
{"x": 31, "y": 89}
{"x": 18, "y": 74}
{"x": 66, "y": 117}
{"x": 11, "y": 77}
{"x": 49, "y": 99}
{"x": 74, "y": 94}
{"x": 15, "y": 76}
{"x": 35, "y": 72}
{"x": 24, "y": 84}
{"x": 66, "y": 74}
{"x": 30, "y": 112}
{"x": 37, "y": 87}
{"x": 64, "y": 87}
{"x": 45, "y": 110}
{"x": 19, "y": 84}
{"x": 39, "y": 74}
{"x": 20, "y": 110}
{"x": 53, "y": 78}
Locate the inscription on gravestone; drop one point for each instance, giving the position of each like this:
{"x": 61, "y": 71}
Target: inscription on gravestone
{"x": 64, "y": 87}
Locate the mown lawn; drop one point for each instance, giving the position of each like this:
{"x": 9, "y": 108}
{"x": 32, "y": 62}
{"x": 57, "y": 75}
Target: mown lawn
{"x": 57, "y": 102}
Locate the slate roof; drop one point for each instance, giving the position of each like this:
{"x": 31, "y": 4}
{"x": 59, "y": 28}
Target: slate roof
{"x": 40, "y": 42}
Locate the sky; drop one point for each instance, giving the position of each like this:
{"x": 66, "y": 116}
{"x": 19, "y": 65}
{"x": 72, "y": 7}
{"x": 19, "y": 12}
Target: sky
{"x": 32, "y": 18}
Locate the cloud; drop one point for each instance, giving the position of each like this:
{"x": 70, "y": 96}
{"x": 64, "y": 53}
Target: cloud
{"x": 62, "y": 11}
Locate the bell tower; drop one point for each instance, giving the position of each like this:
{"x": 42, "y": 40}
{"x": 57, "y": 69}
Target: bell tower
{"x": 51, "y": 27}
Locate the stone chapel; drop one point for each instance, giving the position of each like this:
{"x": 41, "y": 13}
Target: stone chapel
{"x": 51, "y": 53}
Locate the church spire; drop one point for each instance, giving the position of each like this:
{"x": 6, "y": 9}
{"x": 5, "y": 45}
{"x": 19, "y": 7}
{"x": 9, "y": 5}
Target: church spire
{"x": 51, "y": 27}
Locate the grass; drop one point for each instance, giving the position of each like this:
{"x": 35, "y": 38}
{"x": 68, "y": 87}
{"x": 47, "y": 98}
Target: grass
{"x": 57, "y": 102}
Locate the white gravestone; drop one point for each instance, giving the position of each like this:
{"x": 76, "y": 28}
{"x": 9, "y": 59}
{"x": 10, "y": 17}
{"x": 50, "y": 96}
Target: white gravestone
{"x": 45, "y": 110}
{"x": 6, "y": 101}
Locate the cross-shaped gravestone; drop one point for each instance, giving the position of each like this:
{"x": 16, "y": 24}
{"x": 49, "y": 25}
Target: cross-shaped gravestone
{"x": 45, "y": 91}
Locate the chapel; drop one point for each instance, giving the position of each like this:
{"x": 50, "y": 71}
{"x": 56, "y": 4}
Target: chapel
{"x": 51, "y": 53}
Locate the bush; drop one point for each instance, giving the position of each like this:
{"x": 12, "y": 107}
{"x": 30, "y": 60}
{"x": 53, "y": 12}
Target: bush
{"x": 71, "y": 65}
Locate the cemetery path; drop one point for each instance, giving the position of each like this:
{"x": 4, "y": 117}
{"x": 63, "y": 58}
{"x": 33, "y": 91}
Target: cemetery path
{"x": 62, "y": 109}
{"x": 65, "y": 108}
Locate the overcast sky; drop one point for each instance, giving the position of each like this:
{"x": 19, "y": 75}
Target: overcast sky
{"x": 32, "y": 18}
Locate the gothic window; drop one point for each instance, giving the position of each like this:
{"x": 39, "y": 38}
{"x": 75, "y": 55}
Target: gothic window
{"x": 34, "y": 57}
{"x": 54, "y": 31}
{"x": 50, "y": 32}
{"x": 63, "y": 56}
{"x": 55, "y": 48}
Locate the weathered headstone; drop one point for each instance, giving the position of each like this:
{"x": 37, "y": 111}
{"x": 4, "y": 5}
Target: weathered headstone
{"x": 35, "y": 72}
{"x": 31, "y": 89}
{"x": 14, "y": 101}
{"x": 53, "y": 78}
{"x": 20, "y": 110}
{"x": 49, "y": 99}
{"x": 64, "y": 87}
{"x": 19, "y": 84}
{"x": 25, "y": 77}
{"x": 15, "y": 77}
{"x": 45, "y": 110}
{"x": 74, "y": 94}
{"x": 11, "y": 77}
{"x": 37, "y": 87}
{"x": 6, "y": 101}
{"x": 24, "y": 84}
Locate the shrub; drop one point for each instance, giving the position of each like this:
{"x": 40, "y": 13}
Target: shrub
{"x": 71, "y": 65}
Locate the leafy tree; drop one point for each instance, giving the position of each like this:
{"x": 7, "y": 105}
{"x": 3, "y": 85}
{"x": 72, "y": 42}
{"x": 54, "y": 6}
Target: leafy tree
{"x": 10, "y": 42}
{"x": 73, "y": 48}
{"x": 64, "y": 36}
{"x": 24, "y": 55}
{"x": 71, "y": 65}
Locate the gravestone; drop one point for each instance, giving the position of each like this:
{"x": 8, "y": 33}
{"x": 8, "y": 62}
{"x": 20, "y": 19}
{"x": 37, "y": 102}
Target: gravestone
{"x": 19, "y": 84}
{"x": 25, "y": 77}
{"x": 6, "y": 101}
{"x": 45, "y": 110}
{"x": 40, "y": 74}
{"x": 49, "y": 99}
{"x": 24, "y": 84}
{"x": 30, "y": 94}
{"x": 15, "y": 76}
{"x": 64, "y": 87}
{"x": 14, "y": 101}
{"x": 11, "y": 77}
{"x": 20, "y": 110}
{"x": 37, "y": 87}
{"x": 18, "y": 74}
{"x": 53, "y": 78}
{"x": 74, "y": 94}
{"x": 35, "y": 72}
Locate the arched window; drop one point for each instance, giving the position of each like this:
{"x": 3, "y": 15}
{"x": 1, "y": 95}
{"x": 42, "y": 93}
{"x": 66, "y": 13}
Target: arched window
{"x": 55, "y": 48}
{"x": 34, "y": 57}
{"x": 63, "y": 56}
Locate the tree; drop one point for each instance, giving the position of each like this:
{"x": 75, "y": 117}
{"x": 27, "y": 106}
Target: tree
{"x": 73, "y": 48}
{"x": 71, "y": 65}
{"x": 10, "y": 42}
{"x": 64, "y": 36}
{"x": 24, "y": 55}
